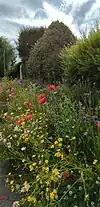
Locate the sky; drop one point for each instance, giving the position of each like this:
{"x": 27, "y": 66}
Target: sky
{"x": 79, "y": 15}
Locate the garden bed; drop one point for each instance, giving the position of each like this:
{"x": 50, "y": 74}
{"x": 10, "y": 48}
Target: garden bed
{"x": 54, "y": 146}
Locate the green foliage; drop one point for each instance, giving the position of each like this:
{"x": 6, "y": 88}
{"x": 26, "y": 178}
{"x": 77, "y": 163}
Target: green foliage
{"x": 55, "y": 149}
{"x": 82, "y": 60}
{"x": 43, "y": 63}
{"x": 28, "y": 37}
{"x": 15, "y": 71}
{"x": 6, "y": 56}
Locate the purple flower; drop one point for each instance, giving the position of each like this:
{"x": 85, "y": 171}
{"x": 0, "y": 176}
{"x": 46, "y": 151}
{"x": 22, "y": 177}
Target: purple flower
{"x": 94, "y": 117}
{"x": 19, "y": 82}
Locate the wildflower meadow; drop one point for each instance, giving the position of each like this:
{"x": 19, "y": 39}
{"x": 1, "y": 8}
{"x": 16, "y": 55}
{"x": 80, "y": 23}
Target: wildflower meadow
{"x": 54, "y": 147}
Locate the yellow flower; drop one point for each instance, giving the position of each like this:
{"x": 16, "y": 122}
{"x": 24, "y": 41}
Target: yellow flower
{"x": 47, "y": 189}
{"x": 31, "y": 167}
{"x": 9, "y": 174}
{"x": 33, "y": 156}
{"x": 41, "y": 182}
{"x": 52, "y": 178}
{"x": 23, "y": 124}
{"x": 26, "y": 135}
{"x": 56, "y": 142}
{"x": 60, "y": 144}
{"x": 58, "y": 154}
{"x": 48, "y": 183}
{"x": 95, "y": 162}
{"x": 11, "y": 182}
{"x": 55, "y": 171}
{"x": 46, "y": 161}
{"x": 62, "y": 156}
{"x": 52, "y": 146}
{"x": 34, "y": 164}
{"x": 60, "y": 139}
{"x": 43, "y": 168}
{"x": 26, "y": 185}
{"x": 20, "y": 175}
{"x": 52, "y": 195}
{"x": 42, "y": 136}
{"x": 31, "y": 199}
{"x": 12, "y": 188}
{"x": 42, "y": 155}
{"x": 55, "y": 191}
{"x": 42, "y": 141}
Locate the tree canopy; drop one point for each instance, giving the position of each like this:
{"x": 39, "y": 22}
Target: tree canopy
{"x": 7, "y": 56}
{"x": 43, "y": 62}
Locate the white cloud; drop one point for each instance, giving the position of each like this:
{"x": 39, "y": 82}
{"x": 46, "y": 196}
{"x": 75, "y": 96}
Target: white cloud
{"x": 53, "y": 15}
{"x": 94, "y": 7}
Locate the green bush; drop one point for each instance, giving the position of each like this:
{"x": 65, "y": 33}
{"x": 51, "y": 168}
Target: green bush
{"x": 82, "y": 60}
{"x": 28, "y": 37}
{"x": 43, "y": 64}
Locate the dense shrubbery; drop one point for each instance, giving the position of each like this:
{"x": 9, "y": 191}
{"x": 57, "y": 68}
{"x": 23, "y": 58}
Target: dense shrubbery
{"x": 82, "y": 60}
{"x": 54, "y": 148}
{"x": 43, "y": 63}
{"x": 27, "y": 38}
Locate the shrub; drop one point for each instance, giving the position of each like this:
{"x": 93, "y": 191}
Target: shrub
{"x": 82, "y": 60}
{"x": 28, "y": 37}
{"x": 43, "y": 63}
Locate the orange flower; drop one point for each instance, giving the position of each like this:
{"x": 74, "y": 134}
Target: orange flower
{"x": 20, "y": 120}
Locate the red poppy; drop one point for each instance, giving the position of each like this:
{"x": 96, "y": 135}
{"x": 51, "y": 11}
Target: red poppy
{"x": 9, "y": 117}
{"x": 98, "y": 124}
{"x": 51, "y": 87}
{"x": 42, "y": 100}
{"x": 29, "y": 117}
{"x": 42, "y": 95}
{"x": 66, "y": 175}
{"x": 28, "y": 103}
{"x": 20, "y": 120}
